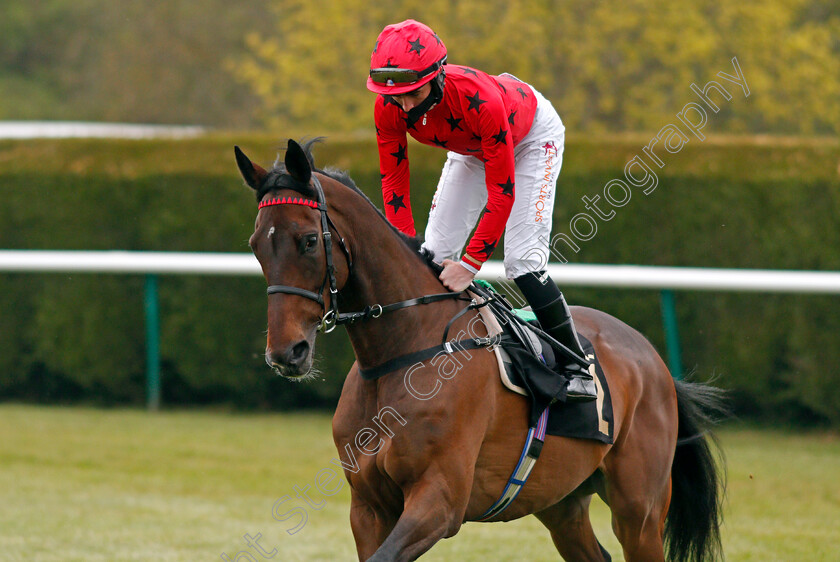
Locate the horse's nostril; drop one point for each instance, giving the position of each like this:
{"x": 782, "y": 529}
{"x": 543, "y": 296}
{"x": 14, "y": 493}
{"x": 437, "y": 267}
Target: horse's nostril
{"x": 272, "y": 359}
{"x": 292, "y": 361}
{"x": 298, "y": 353}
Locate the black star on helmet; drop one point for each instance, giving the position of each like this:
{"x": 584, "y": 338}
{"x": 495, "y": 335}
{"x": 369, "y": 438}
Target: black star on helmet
{"x": 416, "y": 46}
{"x": 501, "y": 136}
{"x": 487, "y": 248}
{"x": 400, "y": 154}
{"x": 397, "y": 202}
{"x": 454, "y": 123}
{"x": 507, "y": 187}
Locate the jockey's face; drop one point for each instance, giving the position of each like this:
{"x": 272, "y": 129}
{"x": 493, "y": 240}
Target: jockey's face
{"x": 412, "y": 99}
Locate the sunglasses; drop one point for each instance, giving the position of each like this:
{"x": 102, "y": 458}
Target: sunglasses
{"x": 391, "y": 76}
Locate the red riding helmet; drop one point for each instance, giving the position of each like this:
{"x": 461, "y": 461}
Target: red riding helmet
{"x": 406, "y": 56}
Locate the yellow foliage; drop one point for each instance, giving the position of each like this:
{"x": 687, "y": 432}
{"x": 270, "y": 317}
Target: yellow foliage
{"x": 615, "y": 65}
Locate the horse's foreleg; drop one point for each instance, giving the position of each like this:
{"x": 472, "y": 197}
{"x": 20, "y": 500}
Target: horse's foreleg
{"x": 370, "y": 528}
{"x": 434, "y": 509}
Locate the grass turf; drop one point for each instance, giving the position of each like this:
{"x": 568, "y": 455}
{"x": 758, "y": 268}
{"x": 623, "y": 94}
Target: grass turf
{"x": 85, "y": 484}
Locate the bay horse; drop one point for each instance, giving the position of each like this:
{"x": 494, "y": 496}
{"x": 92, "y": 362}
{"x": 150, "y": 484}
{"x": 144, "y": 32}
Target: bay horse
{"x": 421, "y": 463}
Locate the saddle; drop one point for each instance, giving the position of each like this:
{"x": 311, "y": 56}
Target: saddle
{"x": 529, "y": 367}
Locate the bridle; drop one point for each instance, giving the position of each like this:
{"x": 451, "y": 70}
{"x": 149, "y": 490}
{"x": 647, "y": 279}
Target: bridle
{"x": 329, "y": 317}
{"x": 332, "y": 317}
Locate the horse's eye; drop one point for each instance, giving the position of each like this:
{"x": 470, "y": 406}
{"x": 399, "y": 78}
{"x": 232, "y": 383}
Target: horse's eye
{"x": 308, "y": 243}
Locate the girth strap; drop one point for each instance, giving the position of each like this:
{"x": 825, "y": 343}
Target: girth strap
{"x": 530, "y": 453}
{"x": 412, "y": 358}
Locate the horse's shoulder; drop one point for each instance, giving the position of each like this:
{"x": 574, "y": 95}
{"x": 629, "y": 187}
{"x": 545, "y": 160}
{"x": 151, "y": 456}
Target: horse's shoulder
{"x": 353, "y": 410}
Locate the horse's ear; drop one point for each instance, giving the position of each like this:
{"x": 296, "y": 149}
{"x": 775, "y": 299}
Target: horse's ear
{"x": 297, "y": 163}
{"x": 251, "y": 173}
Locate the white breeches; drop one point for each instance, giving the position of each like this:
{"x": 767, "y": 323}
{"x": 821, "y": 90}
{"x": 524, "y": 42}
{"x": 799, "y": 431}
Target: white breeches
{"x": 462, "y": 194}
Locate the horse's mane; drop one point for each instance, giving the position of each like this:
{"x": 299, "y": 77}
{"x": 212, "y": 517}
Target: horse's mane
{"x": 278, "y": 169}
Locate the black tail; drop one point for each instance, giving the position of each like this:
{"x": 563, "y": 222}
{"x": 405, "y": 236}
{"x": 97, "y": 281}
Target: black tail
{"x": 692, "y": 529}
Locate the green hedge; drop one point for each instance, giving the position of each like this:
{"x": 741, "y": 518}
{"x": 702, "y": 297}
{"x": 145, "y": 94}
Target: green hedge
{"x": 766, "y": 203}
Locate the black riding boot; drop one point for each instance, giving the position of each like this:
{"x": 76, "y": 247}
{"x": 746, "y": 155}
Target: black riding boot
{"x": 553, "y": 314}
{"x": 556, "y": 320}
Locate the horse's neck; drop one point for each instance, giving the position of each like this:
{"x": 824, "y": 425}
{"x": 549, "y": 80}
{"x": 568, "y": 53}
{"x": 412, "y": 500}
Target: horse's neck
{"x": 387, "y": 271}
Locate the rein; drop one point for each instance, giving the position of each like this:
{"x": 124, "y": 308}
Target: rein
{"x": 333, "y": 317}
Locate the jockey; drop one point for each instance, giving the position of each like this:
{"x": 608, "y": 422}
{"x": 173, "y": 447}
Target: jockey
{"x": 505, "y": 148}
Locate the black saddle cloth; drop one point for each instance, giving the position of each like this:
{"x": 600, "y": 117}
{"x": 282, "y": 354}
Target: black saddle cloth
{"x": 546, "y": 387}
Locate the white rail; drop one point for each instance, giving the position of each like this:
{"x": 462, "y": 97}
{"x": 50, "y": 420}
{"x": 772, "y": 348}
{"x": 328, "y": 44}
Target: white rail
{"x": 179, "y": 263}
{"x": 623, "y": 276}
{"x": 75, "y": 129}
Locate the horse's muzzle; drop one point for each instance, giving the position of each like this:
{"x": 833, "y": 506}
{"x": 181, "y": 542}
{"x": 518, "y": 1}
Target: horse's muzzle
{"x": 293, "y": 362}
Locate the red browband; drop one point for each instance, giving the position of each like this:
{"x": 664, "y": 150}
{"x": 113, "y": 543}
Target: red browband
{"x": 289, "y": 201}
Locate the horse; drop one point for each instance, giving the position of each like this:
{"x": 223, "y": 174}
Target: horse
{"x": 425, "y": 450}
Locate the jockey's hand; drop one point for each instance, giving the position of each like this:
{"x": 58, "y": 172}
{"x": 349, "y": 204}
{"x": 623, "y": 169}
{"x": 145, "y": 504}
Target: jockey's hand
{"x": 455, "y": 277}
